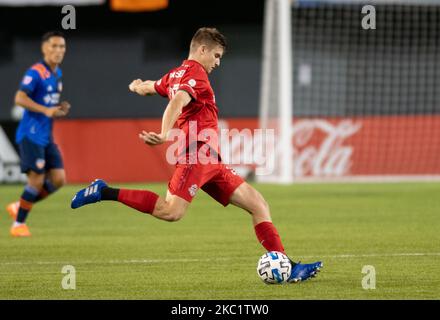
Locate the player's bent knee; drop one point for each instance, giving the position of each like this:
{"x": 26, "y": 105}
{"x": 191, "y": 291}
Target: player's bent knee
{"x": 174, "y": 217}
{"x": 36, "y": 183}
{"x": 170, "y": 210}
{"x": 37, "y": 186}
{"x": 58, "y": 183}
{"x": 171, "y": 214}
{"x": 58, "y": 178}
{"x": 177, "y": 214}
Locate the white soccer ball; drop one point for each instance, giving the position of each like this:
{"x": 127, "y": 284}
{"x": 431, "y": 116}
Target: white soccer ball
{"x": 274, "y": 267}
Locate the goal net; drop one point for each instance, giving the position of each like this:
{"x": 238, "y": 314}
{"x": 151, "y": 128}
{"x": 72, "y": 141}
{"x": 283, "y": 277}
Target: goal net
{"x": 352, "y": 92}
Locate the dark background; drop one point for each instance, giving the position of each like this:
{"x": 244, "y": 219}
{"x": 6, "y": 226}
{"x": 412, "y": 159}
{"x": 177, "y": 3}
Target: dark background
{"x": 108, "y": 50}
{"x": 354, "y": 72}
{"x": 391, "y": 70}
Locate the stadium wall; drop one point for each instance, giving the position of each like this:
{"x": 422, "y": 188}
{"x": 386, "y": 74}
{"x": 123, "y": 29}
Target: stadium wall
{"x": 365, "y": 103}
{"x": 333, "y": 147}
{"x": 110, "y": 49}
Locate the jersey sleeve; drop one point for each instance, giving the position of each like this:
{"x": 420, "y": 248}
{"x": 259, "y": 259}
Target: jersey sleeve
{"x": 194, "y": 83}
{"x": 161, "y": 85}
{"x": 29, "y": 81}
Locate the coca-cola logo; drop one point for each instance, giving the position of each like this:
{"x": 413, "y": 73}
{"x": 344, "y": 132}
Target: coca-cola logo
{"x": 319, "y": 149}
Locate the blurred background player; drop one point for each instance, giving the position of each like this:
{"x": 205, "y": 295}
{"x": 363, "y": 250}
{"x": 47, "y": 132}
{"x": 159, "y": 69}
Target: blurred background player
{"x": 39, "y": 94}
{"x": 192, "y": 99}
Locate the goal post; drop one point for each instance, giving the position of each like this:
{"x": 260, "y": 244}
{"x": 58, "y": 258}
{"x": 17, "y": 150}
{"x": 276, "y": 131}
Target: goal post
{"x": 277, "y": 69}
{"x": 348, "y": 102}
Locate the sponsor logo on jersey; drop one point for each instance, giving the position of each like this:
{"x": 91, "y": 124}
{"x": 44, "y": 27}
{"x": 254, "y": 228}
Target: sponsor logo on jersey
{"x": 52, "y": 98}
{"x": 177, "y": 74}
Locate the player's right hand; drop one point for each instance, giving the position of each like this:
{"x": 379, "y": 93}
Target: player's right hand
{"x": 55, "y": 112}
{"x": 65, "y": 107}
{"x": 152, "y": 138}
{"x": 142, "y": 88}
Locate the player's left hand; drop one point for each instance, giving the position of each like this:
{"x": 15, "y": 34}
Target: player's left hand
{"x": 152, "y": 138}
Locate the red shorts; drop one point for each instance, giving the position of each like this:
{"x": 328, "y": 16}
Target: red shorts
{"x": 217, "y": 180}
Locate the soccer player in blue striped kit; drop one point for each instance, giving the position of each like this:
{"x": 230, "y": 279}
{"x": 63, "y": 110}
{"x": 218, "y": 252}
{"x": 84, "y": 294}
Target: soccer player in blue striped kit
{"x": 39, "y": 93}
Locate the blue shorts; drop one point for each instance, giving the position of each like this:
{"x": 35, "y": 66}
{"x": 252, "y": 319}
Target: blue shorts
{"x": 38, "y": 158}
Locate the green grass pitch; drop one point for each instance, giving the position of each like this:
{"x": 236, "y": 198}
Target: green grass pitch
{"x": 119, "y": 253}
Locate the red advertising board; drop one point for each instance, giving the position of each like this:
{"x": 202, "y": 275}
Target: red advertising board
{"x": 322, "y": 147}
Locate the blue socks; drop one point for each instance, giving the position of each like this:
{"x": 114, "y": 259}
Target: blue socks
{"x": 27, "y": 200}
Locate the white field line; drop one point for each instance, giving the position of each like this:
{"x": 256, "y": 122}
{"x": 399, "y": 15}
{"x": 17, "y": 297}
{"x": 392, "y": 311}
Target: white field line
{"x": 152, "y": 261}
{"x": 368, "y": 179}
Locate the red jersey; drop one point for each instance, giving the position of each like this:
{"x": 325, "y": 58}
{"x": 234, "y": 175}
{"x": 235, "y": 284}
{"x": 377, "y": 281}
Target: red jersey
{"x": 202, "y": 112}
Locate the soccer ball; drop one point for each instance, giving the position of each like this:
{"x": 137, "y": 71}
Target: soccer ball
{"x": 274, "y": 267}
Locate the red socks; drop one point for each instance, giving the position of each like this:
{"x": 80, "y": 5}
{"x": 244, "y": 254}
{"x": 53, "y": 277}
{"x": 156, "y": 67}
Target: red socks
{"x": 141, "y": 200}
{"x": 269, "y": 237}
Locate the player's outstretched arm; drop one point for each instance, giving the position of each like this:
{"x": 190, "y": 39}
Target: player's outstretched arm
{"x": 143, "y": 88}
{"x": 22, "y": 99}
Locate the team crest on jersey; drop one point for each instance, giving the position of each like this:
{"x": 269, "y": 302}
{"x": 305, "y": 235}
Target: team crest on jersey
{"x": 27, "y": 80}
{"x": 40, "y": 163}
{"x": 192, "y": 190}
{"x": 232, "y": 171}
{"x": 49, "y": 88}
{"x": 192, "y": 83}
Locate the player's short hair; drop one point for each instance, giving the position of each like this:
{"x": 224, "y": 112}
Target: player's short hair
{"x": 51, "y": 34}
{"x": 209, "y": 37}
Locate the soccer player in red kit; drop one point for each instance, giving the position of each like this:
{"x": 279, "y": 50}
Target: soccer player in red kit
{"x": 192, "y": 103}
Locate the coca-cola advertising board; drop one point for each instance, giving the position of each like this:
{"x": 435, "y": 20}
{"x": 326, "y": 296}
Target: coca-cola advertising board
{"x": 323, "y": 148}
